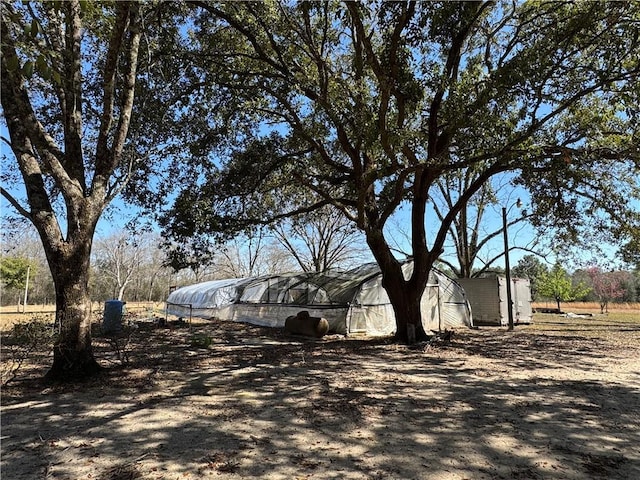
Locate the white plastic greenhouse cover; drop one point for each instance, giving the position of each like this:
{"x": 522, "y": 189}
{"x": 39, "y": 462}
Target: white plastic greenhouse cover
{"x": 353, "y": 301}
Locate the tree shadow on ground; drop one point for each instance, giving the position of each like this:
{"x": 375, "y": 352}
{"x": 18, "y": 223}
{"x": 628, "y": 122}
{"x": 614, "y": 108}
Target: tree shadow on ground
{"x": 260, "y": 404}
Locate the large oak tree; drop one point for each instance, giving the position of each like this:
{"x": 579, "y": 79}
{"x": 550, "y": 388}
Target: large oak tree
{"x": 368, "y": 106}
{"x": 68, "y": 84}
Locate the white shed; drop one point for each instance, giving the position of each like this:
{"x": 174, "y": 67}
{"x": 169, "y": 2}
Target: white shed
{"x": 488, "y": 299}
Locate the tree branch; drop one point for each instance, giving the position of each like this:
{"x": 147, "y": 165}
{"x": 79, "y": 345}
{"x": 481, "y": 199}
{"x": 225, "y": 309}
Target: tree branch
{"x": 11, "y": 199}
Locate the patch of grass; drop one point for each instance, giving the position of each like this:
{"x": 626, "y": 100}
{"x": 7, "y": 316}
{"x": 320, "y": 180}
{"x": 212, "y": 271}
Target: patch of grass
{"x": 200, "y": 340}
{"x": 622, "y": 325}
{"x": 592, "y": 307}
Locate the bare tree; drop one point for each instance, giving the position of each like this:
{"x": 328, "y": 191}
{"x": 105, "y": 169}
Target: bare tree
{"x": 118, "y": 257}
{"x": 321, "y": 240}
{"x": 474, "y": 230}
{"x": 243, "y": 256}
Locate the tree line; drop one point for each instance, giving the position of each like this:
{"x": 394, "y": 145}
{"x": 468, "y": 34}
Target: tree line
{"x": 136, "y": 264}
{"x": 591, "y": 284}
{"x": 137, "y": 268}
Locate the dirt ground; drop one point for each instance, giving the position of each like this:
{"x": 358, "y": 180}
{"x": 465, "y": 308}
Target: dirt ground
{"x": 559, "y": 399}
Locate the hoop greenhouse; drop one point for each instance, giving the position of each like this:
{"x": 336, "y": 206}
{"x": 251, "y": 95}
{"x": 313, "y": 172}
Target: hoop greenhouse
{"x": 352, "y": 301}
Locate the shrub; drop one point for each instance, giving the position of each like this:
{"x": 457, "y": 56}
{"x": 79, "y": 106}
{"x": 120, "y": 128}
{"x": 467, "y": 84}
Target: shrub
{"x": 25, "y": 341}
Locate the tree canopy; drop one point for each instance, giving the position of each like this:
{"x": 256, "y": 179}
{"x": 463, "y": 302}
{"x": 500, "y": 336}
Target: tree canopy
{"x": 557, "y": 284}
{"x": 369, "y": 107}
{"x": 13, "y": 271}
{"x": 608, "y": 286}
{"x": 260, "y": 111}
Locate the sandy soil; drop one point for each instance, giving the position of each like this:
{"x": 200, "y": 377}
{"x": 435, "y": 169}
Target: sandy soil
{"x": 556, "y": 400}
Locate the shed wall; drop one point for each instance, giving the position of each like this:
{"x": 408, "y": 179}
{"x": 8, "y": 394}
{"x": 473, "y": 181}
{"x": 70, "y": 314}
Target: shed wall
{"x": 485, "y": 299}
{"x": 488, "y": 300}
{"x": 521, "y": 296}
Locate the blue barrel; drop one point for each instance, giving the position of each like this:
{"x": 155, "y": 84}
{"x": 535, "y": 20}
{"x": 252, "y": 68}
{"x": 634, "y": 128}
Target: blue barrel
{"x": 113, "y": 313}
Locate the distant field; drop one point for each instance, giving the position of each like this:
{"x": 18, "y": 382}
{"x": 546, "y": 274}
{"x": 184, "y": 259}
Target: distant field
{"x": 590, "y": 307}
{"x": 589, "y": 326}
{"x": 10, "y": 315}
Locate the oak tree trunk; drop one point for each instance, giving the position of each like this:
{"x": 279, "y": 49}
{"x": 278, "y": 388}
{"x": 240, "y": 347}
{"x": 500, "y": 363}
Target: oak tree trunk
{"x": 404, "y": 294}
{"x": 72, "y": 353}
{"x": 50, "y": 139}
{"x": 405, "y": 300}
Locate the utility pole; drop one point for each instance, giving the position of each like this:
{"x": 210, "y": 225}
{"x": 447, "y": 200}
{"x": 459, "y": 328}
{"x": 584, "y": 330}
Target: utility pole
{"x": 26, "y": 290}
{"x": 507, "y": 268}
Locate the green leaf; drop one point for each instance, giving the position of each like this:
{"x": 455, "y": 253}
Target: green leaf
{"x": 27, "y": 69}
{"x": 41, "y": 63}
{"x": 42, "y": 67}
{"x": 35, "y": 28}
